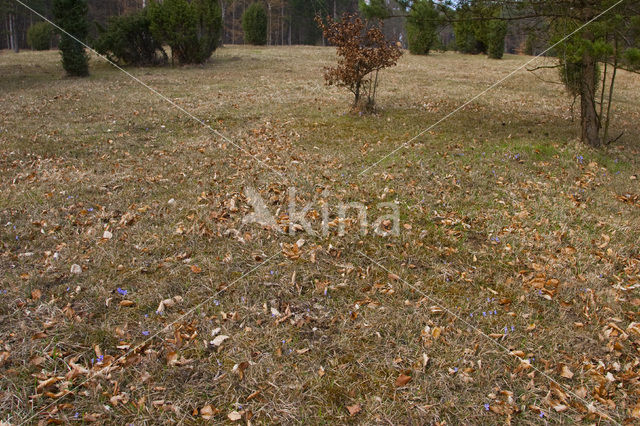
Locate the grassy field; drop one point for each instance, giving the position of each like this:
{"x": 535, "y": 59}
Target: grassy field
{"x": 509, "y": 295}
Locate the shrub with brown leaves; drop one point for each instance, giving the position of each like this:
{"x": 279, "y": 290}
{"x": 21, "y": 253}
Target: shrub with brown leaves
{"x": 363, "y": 51}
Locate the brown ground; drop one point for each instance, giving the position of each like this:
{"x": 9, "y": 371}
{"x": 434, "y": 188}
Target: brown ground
{"x": 504, "y": 215}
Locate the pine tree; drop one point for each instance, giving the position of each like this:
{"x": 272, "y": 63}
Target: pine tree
{"x": 191, "y": 28}
{"x": 71, "y": 16}
{"x": 496, "y": 31}
{"x": 39, "y": 36}
{"x": 127, "y": 40}
{"x": 254, "y": 24}
{"x": 422, "y": 26}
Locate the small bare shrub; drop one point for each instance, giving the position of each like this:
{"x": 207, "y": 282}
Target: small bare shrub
{"x": 363, "y": 51}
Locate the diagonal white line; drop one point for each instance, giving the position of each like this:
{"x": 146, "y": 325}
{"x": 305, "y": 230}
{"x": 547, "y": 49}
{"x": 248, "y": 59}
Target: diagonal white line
{"x": 154, "y": 91}
{"x": 166, "y": 327}
{"x": 475, "y": 328}
{"x": 493, "y": 86}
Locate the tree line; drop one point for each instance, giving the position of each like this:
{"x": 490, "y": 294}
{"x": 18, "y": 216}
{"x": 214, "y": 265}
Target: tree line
{"x": 289, "y": 21}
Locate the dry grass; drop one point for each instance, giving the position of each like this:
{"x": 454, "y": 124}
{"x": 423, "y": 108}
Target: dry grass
{"x": 505, "y": 216}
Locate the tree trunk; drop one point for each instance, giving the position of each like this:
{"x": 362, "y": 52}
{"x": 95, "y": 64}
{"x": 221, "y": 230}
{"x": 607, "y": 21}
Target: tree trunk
{"x": 222, "y": 12}
{"x": 8, "y": 33}
{"x": 610, "y": 101}
{"x": 13, "y": 36}
{"x": 269, "y": 25}
{"x": 11, "y": 39}
{"x": 605, "y": 138}
{"x": 589, "y": 120}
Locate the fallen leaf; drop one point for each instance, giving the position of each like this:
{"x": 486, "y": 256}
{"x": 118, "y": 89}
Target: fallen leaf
{"x": 354, "y": 409}
{"x": 172, "y": 358}
{"x": 93, "y": 417}
{"x": 605, "y": 241}
{"x": 127, "y": 219}
{"x": 36, "y": 360}
{"x": 234, "y": 416}
{"x": 425, "y": 360}
{"x": 4, "y": 356}
{"x": 127, "y": 303}
{"x": 114, "y": 400}
{"x": 196, "y": 269}
{"x": 560, "y": 408}
{"x": 239, "y": 368}
{"x": 436, "y": 310}
{"x": 48, "y": 382}
{"x": 402, "y": 380}
{"x": 208, "y": 412}
{"x": 76, "y": 370}
{"x": 253, "y": 395}
{"x": 581, "y": 392}
{"x": 36, "y": 294}
{"x": 168, "y": 303}
{"x": 634, "y": 328}
{"x": 566, "y": 373}
{"x": 219, "y": 339}
{"x": 437, "y": 331}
